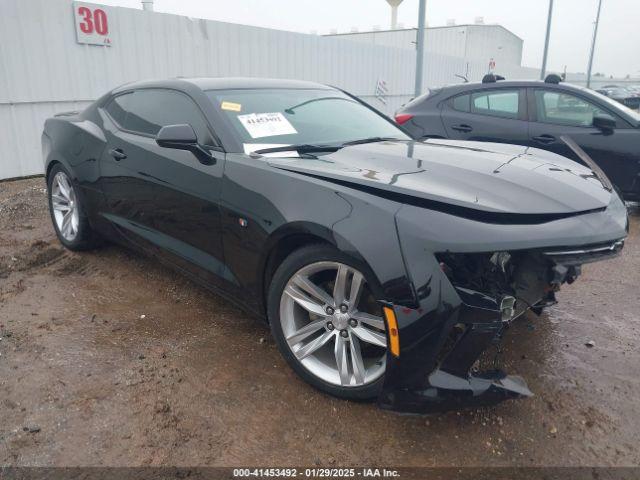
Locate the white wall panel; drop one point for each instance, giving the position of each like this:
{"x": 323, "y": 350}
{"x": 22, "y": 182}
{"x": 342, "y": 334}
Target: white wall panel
{"x": 20, "y": 129}
{"x": 43, "y": 70}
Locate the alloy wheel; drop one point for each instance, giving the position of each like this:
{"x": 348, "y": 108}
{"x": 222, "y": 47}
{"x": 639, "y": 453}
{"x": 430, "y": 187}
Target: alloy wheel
{"x": 333, "y": 325}
{"x": 64, "y": 204}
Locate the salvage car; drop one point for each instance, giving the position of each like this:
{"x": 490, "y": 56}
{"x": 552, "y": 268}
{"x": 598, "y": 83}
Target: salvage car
{"x": 384, "y": 266}
{"x": 536, "y": 114}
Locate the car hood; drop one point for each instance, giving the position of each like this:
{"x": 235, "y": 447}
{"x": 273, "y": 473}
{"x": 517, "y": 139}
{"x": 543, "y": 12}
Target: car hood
{"x": 485, "y": 177}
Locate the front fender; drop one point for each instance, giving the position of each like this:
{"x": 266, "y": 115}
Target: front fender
{"x": 262, "y": 205}
{"x": 371, "y": 230}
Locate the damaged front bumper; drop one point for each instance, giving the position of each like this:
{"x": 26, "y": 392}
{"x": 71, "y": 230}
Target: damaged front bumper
{"x": 436, "y": 369}
{"x": 433, "y": 371}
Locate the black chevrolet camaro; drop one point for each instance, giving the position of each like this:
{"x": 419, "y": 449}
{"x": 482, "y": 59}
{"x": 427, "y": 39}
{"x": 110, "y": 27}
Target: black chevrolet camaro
{"x": 385, "y": 266}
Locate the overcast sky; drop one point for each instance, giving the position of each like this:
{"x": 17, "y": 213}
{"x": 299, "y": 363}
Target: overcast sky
{"x": 617, "y": 52}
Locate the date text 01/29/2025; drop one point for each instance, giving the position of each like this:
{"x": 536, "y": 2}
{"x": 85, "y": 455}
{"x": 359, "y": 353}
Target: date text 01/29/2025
{"x": 315, "y": 473}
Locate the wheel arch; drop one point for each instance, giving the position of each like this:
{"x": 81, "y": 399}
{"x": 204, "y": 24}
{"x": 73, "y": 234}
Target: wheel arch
{"x": 57, "y": 158}
{"x": 293, "y": 236}
{"x": 49, "y": 166}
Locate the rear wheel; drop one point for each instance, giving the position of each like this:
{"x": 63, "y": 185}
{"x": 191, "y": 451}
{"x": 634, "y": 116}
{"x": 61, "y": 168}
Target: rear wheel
{"x": 67, "y": 212}
{"x": 327, "y": 323}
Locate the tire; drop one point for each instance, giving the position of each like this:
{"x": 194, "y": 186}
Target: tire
{"x": 353, "y": 337}
{"x": 66, "y": 202}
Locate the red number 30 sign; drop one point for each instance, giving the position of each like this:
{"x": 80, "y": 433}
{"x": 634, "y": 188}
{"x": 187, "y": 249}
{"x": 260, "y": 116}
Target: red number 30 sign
{"x": 92, "y": 24}
{"x": 95, "y": 21}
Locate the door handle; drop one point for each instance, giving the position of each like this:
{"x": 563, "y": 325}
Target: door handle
{"x": 117, "y": 154}
{"x": 545, "y": 139}
{"x": 462, "y": 128}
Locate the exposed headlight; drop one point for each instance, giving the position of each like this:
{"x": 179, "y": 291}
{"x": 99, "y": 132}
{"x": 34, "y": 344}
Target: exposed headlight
{"x": 507, "y": 308}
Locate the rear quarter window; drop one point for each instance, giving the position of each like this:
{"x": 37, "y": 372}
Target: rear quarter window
{"x": 496, "y": 103}
{"x": 119, "y": 107}
{"x": 461, "y": 103}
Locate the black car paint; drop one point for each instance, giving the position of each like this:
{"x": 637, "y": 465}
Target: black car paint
{"x": 226, "y": 224}
{"x": 616, "y": 151}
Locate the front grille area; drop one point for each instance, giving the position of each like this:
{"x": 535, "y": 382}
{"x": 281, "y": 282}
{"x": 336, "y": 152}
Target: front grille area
{"x": 524, "y": 275}
{"x": 487, "y": 273}
{"x": 530, "y": 276}
{"x": 580, "y": 255}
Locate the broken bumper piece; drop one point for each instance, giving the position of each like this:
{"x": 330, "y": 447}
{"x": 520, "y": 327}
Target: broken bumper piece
{"x": 434, "y": 371}
{"x": 450, "y": 392}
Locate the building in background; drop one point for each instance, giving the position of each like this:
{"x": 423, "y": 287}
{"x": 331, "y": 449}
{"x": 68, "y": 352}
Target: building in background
{"x": 479, "y": 42}
{"x": 59, "y": 55}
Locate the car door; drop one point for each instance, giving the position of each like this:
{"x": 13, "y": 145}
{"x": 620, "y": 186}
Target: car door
{"x": 487, "y": 115}
{"x": 555, "y": 113}
{"x": 162, "y": 198}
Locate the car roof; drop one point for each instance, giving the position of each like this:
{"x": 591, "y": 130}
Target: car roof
{"x": 510, "y": 83}
{"x": 223, "y": 83}
{"x": 436, "y": 95}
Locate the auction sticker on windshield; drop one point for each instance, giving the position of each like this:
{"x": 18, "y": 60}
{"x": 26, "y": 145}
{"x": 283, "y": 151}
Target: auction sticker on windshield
{"x": 266, "y": 124}
{"x": 231, "y": 106}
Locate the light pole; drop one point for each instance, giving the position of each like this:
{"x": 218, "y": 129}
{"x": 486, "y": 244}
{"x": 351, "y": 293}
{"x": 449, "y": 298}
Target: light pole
{"x": 593, "y": 44}
{"x": 420, "y": 47}
{"x": 546, "y": 42}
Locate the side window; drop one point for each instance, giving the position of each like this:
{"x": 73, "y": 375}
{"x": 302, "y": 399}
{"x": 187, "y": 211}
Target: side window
{"x": 497, "y": 103}
{"x": 461, "y": 103}
{"x": 118, "y": 108}
{"x": 156, "y": 108}
{"x": 564, "y": 109}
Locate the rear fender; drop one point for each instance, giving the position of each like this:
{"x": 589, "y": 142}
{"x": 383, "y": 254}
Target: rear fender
{"x": 77, "y": 144}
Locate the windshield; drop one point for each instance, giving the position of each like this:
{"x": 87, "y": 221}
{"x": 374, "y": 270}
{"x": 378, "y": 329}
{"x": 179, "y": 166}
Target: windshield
{"x": 274, "y": 117}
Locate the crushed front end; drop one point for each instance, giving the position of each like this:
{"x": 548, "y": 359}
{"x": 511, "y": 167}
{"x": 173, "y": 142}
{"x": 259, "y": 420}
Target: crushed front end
{"x": 465, "y": 301}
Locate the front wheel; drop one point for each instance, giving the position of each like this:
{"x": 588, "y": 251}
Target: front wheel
{"x": 327, "y": 323}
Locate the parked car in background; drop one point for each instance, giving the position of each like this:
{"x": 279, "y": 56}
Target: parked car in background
{"x": 384, "y": 266}
{"x": 635, "y": 89}
{"x": 535, "y": 114}
{"x": 624, "y": 95}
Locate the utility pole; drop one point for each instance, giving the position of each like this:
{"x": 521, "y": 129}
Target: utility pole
{"x": 593, "y": 44}
{"x": 420, "y": 47}
{"x": 543, "y": 72}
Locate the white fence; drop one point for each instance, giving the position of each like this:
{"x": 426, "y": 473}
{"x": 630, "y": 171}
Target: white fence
{"x": 43, "y": 70}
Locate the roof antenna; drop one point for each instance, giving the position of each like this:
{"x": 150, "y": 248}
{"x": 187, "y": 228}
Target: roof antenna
{"x": 464, "y": 77}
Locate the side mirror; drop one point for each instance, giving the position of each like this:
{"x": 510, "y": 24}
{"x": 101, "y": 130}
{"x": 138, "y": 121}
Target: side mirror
{"x": 604, "y": 122}
{"x": 183, "y": 137}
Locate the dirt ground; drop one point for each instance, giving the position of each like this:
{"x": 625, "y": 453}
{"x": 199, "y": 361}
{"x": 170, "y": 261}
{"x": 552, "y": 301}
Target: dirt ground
{"x": 107, "y": 358}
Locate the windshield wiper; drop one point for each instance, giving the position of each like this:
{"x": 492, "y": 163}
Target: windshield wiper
{"x": 301, "y": 148}
{"x": 310, "y": 148}
{"x": 369, "y": 140}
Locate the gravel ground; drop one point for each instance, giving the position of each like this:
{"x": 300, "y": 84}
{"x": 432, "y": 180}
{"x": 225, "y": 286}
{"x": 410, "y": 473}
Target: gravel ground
{"x": 107, "y": 358}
